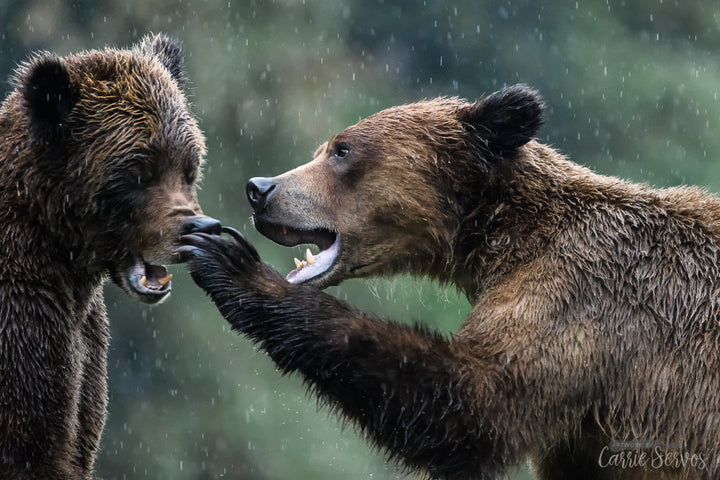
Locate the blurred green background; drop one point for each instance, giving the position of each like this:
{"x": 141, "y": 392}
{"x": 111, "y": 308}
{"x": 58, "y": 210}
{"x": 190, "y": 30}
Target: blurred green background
{"x": 632, "y": 89}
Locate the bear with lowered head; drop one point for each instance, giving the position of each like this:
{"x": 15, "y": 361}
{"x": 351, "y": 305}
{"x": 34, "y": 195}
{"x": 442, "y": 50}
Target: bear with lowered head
{"x": 99, "y": 157}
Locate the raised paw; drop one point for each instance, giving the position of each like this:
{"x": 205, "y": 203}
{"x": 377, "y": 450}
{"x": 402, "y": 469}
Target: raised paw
{"x": 200, "y": 244}
{"x": 212, "y": 258}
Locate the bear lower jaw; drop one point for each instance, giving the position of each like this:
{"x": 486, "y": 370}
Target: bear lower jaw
{"x": 147, "y": 283}
{"x": 318, "y": 268}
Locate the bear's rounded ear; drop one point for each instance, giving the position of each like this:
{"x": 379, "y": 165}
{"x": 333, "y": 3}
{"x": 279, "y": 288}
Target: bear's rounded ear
{"x": 49, "y": 95}
{"x": 507, "y": 119}
{"x": 168, "y": 52}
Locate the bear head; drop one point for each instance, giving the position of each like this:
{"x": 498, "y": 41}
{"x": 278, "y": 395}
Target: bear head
{"x": 103, "y": 156}
{"x": 393, "y": 193}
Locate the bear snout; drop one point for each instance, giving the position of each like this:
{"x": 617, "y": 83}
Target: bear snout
{"x": 200, "y": 224}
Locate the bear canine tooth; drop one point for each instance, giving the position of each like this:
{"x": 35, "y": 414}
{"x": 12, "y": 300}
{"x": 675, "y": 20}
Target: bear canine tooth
{"x": 165, "y": 280}
{"x": 298, "y": 263}
{"x": 143, "y": 281}
{"x": 309, "y": 257}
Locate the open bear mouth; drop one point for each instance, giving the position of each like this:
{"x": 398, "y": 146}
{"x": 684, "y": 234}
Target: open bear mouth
{"x": 150, "y": 282}
{"x": 313, "y": 267}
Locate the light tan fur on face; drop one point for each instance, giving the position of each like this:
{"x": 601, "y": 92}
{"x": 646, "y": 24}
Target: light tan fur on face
{"x": 383, "y": 199}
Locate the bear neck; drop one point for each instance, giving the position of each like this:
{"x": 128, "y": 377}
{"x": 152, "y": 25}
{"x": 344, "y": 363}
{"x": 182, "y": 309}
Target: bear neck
{"x": 26, "y": 235}
{"x": 508, "y": 221}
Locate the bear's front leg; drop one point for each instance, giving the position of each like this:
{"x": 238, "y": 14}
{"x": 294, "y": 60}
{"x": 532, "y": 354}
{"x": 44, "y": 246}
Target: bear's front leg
{"x": 412, "y": 392}
{"x": 93, "y": 389}
{"x": 40, "y": 370}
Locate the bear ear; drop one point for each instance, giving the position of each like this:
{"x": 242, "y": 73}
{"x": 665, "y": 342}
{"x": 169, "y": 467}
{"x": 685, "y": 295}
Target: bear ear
{"x": 49, "y": 95}
{"x": 507, "y": 119}
{"x": 168, "y": 52}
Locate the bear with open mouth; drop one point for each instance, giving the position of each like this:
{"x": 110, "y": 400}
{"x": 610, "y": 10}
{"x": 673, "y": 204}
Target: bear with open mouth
{"x": 99, "y": 159}
{"x": 596, "y": 302}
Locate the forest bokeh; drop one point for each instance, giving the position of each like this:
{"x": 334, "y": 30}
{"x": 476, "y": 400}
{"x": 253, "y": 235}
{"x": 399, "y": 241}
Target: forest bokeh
{"x": 631, "y": 87}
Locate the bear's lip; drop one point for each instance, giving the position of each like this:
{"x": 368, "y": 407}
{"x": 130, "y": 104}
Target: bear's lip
{"x": 328, "y": 241}
{"x": 149, "y": 283}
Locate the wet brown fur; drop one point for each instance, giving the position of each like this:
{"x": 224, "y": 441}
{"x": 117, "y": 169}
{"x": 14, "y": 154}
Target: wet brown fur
{"x": 98, "y": 158}
{"x": 596, "y": 301}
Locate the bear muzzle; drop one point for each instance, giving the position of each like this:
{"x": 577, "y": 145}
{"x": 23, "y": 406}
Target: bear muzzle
{"x": 150, "y": 283}
{"x": 288, "y": 223}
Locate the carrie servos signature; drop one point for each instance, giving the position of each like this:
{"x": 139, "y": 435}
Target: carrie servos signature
{"x": 649, "y": 454}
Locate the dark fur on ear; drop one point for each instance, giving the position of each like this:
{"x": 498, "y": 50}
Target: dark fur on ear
{"x": 169, "y": 53}
{"x": 506, "y": 120}
{"x": 49, "y": 96}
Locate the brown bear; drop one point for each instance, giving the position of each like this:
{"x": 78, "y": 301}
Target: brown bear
{"x": 592, "y": 344}
{"x": 99, "y": 156}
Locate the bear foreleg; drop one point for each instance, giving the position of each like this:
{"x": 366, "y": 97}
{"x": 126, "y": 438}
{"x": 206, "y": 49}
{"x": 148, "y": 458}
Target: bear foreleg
{"x": 411, "y": 391}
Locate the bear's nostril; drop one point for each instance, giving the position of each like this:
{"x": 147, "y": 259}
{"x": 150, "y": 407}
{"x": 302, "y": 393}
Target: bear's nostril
{"x": 258, "y": 190}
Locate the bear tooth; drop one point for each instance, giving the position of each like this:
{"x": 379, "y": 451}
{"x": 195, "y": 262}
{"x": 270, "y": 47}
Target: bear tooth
{"x": 143, "y": 281}
{"x": 165, "y": 280}
{"x": 298, "y": 263}
{"x": 309, "y": 257}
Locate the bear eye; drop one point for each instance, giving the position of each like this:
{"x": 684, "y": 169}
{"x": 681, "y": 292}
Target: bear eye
{"x": 145, "y": 178}
{"x": 142, "y": 176}
{"x": 342, "y": 150}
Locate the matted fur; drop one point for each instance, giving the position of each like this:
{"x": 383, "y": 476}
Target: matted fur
{"x": 99, "y": 154}
{"x": 596, "y": 302}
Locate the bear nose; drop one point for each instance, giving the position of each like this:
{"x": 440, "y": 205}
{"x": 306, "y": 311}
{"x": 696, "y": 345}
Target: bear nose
{"x": 201, "y": 224}
{"x": 258, "y": 191}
